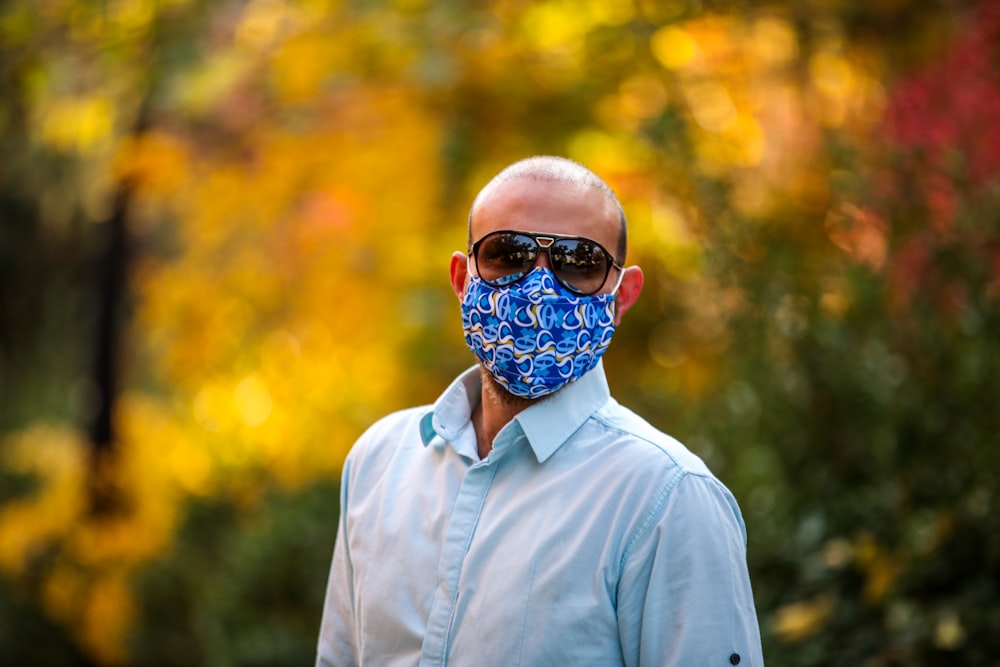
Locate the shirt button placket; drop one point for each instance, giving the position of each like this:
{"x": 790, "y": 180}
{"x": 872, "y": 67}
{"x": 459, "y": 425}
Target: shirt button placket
{"x": 461, "y": 528}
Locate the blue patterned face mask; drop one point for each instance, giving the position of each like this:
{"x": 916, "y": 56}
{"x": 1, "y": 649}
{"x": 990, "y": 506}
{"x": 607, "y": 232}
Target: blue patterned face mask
{"x": 535, "y": 336}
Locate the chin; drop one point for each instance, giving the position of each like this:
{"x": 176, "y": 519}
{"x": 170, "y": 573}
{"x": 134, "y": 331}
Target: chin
{"x": 499, "y": 394}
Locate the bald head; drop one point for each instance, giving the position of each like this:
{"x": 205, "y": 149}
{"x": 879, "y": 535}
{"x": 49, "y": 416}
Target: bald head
{"x": 547, "y": 168}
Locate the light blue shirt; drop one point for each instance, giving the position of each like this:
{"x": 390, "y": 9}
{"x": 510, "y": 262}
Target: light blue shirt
{"x": 585, "y": 537}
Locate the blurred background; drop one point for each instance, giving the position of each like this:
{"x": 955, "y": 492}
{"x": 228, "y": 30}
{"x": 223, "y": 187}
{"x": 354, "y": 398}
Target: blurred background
{"x": 224, "y": 236}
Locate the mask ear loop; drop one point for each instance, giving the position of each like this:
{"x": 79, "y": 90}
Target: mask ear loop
{"x": 469, "y": 263}
{"x": 618, "y": 283}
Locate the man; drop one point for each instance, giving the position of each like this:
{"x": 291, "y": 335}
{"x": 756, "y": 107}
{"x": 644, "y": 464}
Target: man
{"x": 526, "y": 518}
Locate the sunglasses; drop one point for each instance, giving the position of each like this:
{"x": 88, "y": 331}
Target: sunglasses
{"x": 580, "y": 265}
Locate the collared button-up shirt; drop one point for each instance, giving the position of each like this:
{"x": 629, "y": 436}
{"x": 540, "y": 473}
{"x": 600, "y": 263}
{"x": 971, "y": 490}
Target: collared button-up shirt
{"x": 585, "y": 537}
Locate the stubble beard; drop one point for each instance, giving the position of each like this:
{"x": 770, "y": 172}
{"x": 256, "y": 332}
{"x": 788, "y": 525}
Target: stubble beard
{"x": 499, "y": 395}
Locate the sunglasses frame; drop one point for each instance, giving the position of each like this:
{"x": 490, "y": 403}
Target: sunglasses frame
{"x": 538, "y": 237}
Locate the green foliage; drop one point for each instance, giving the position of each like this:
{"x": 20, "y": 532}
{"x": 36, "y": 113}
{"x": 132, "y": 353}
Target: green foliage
{"x": 242, "y": 586}
{"x": 29, "y": 637}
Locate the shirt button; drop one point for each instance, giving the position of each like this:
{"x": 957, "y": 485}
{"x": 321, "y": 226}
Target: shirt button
{"x": 734, "y": 659}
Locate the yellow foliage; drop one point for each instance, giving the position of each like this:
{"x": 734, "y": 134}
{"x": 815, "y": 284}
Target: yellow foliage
{"x": 95, "y": 603}
{"x": 56, "y": 457}
{"x": 774, "y": 41}
{"x": 949, "y": 633}
{"x": 722, "y": 48}
{"x": 107, "y": 617}
{"x": 86, "y": 587}
{"x": 253, "y": 401}
{"x": 643, "y": 96}
{"x": 662, "y": 11}
{"x": 832, "y": 74}
{"x": 610, "y": 153}
{"x": 556, "y": 24}
{"x": 800, "y": 620}
{"x": 261, "y": 23}
{"x": 156, "y": 161}
{"x": 286, "y": 308}
{"x": 302, "y": 65}
{"x": 64, "y": 591}
{"x": 132, "y": 14}
{"x": 674, "y": 47}
{"x": 711, "y": 105}
{"x": 191, "y": 466}
{"x": 880, "y": 566}
{"x": 208, "y": 84}
{"x": 80, "y": 124}
{"x": 663, "y": 228}
{"x": 610, "y": 12}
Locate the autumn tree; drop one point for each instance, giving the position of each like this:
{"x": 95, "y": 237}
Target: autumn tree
{"x": 811, "y": 190}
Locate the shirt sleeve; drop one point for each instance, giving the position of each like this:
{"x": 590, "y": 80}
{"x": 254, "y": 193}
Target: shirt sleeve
{"x": 337, "y": 637}
{"x": 684, "y": 596}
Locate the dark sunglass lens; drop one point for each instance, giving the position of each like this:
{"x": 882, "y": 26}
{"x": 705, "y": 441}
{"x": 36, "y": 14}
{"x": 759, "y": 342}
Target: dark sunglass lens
{"x": 503, "y": 258}
{"x": 580, "y": 264}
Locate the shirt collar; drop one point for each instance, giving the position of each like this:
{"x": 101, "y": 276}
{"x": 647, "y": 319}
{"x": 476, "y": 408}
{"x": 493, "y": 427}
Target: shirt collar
{"x": 550, "y": 422}
{"x": 546, "y": 424}
{"x": 452, "y": 411}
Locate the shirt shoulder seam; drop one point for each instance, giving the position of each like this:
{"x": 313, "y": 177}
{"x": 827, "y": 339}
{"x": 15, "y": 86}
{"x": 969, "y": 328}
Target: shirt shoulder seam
{"x": 653, "y": 515}
{"x": 681, "y": 466}
{"x": 656, "y": 510}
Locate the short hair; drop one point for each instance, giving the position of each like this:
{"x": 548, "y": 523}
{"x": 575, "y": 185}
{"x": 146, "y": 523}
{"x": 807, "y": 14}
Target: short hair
{"x": 555, "y": 169}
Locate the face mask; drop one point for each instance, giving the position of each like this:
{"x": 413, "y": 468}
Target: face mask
{"x": 535, "y": 336}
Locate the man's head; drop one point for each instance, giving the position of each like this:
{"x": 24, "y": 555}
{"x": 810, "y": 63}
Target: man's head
{"x": 550, "y": 169}
{"x": 546, "y": 194}
{"x": 519, "y": 222}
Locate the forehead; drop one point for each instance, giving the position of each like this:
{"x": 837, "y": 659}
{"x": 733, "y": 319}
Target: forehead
{"x": 548, "y": 206}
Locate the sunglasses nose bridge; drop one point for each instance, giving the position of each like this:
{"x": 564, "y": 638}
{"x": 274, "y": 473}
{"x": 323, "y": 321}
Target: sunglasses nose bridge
{"x": 543, "y": 258}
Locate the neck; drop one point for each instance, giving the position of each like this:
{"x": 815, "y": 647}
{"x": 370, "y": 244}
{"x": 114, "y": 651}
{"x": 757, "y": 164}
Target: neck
{"x": 496, "y": 409}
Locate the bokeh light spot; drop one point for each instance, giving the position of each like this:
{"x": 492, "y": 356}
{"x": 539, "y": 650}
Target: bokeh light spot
{"x": 253, "y": 401}
{"x": 674, "y": 47}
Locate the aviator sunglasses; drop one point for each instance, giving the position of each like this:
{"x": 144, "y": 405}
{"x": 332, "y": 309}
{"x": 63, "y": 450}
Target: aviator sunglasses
{"x": 580, "y": 265}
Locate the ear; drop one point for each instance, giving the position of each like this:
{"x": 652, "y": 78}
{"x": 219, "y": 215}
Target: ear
{"x": 459, "y": 273}
{"x": 628, "y": 291}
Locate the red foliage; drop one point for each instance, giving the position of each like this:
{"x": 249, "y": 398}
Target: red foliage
{"x": 944, "y": 124}
{"x": 950, "y": 110}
